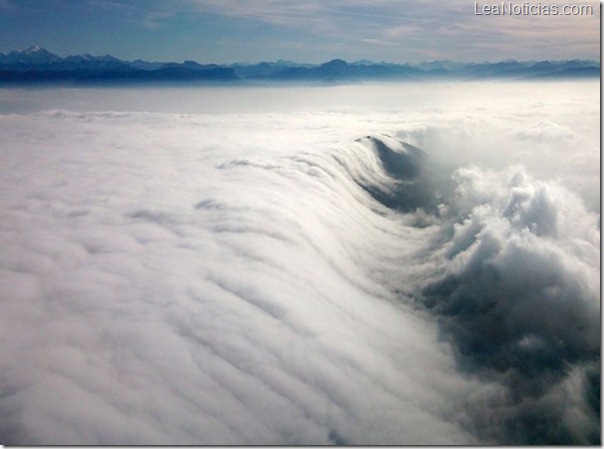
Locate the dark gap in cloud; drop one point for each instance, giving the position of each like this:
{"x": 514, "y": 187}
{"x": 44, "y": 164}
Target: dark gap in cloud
{"x": 337, "y": 439}
{"x": 411, "y": 186}
{"x": 157, "y": 217}
{"x": 210, "y": 204}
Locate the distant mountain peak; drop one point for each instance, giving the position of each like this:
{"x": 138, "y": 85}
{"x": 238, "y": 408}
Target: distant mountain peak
{"x": 31, "y": 55}
{"x": 34, "y": 49}
{"x": 335, "y": 63}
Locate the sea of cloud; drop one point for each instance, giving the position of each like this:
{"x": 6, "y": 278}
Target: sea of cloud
{"x": 392, "y": 264}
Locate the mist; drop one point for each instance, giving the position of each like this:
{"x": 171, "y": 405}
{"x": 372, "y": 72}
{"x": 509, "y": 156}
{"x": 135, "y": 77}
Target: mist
{"x": 414, "y": 263}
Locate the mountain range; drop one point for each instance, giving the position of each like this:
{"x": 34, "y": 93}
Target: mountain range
{"x": 38, "y": 65}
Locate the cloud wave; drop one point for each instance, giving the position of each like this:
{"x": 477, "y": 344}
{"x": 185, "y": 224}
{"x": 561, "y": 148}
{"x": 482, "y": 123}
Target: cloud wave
{"x": 260, "y": 278}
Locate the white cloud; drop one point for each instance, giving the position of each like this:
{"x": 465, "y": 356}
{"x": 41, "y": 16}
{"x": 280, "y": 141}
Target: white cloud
{"x": 212, "y": 273}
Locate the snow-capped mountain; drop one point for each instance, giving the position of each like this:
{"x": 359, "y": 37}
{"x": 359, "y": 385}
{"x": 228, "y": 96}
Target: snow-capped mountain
{"x": 31, "y": 55}
{"x": 38, "y": 65}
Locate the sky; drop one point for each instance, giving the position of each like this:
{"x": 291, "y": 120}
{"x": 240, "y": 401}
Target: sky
{"x": 313, "y": 31}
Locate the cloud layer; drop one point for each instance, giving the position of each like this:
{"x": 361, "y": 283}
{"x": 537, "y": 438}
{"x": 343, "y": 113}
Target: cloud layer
{"x": 236, "y": 278}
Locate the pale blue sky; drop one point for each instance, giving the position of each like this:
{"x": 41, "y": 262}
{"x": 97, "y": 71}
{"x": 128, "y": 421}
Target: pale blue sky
{"x": 225, "y": 31}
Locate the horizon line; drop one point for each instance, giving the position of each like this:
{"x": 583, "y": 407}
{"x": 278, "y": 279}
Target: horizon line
{"x": 33, "y": 47}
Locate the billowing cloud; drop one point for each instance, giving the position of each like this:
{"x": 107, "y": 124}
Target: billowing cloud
{"x": 519, "y": 297}
{"x": 235, "y": 267}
